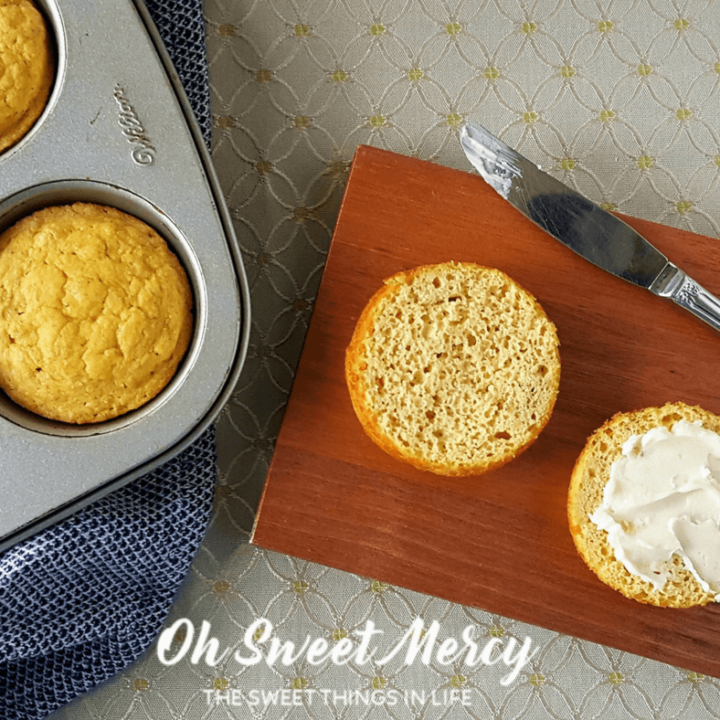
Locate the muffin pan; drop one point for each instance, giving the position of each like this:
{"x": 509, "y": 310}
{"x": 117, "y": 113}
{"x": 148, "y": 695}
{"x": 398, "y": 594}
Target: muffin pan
{"x": 118, "y": 131}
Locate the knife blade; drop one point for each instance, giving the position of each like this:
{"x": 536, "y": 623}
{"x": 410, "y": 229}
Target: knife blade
{"x": 593, "y": 233}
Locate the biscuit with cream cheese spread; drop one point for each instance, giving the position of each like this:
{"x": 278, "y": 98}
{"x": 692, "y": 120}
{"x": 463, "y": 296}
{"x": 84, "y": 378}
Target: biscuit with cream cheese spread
{"x": 586, "y": 495}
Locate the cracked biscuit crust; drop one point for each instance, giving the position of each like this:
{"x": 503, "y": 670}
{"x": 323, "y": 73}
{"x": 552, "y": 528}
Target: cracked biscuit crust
{"x": 26, "y": 69}
{"x": 95, "y": 313}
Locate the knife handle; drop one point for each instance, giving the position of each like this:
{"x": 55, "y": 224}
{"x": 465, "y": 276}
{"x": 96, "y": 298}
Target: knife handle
{"x": 688, "y": 294}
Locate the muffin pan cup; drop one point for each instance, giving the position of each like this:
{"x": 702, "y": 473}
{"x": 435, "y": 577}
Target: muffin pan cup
{"x": 118, "y": 130}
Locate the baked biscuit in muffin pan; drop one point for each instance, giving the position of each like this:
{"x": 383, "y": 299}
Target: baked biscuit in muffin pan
{"x": 114, "y": 129}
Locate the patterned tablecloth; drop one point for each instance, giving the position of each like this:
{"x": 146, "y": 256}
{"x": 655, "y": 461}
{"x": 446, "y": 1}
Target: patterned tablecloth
{"x": 618, "y": 98}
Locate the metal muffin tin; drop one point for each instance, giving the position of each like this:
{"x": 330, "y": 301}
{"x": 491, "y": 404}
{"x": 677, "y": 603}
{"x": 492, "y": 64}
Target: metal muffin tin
{"x": 118, "y": 130}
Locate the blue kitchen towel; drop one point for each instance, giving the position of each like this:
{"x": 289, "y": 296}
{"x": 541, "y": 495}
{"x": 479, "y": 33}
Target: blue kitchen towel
{"x": 82, "y": 600}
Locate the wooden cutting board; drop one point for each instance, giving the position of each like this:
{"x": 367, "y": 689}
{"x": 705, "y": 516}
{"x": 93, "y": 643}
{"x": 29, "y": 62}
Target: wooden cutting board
{"x": 498, "y": 541}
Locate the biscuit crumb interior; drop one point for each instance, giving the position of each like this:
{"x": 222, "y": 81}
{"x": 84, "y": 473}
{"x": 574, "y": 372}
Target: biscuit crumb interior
{"x": 461, "y": 367}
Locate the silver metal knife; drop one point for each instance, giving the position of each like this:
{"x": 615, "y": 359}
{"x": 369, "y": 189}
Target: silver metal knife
{"x": 578, "y": 223}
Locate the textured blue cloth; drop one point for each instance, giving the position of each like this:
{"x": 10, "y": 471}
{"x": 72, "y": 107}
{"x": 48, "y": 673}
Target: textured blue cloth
{"x": 180, "y": 24}
{"x": 82, "y": 600}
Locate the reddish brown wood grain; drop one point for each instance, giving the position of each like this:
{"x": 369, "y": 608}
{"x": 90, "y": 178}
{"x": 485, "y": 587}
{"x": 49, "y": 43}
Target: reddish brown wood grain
{"x": 498, "y": 541}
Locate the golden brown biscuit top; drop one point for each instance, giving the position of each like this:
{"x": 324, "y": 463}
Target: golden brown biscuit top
{"x": 95, "y": 313}
{"x": 26, "y": 68}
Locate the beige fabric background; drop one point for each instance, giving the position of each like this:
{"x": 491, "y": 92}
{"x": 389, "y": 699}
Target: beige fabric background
{"x": 618, "y": 98}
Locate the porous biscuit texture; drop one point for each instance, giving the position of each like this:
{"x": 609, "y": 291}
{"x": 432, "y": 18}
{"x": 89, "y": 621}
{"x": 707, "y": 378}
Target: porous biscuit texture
{"x": 26, "y": 69}
{"x": 95, "y": 313}
{"x": 453, "y": 368}
{"x": 589, "y": 477}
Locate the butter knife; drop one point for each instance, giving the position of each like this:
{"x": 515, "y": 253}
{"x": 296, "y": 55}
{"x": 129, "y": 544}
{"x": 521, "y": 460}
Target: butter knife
{"x": 593, "y": 233}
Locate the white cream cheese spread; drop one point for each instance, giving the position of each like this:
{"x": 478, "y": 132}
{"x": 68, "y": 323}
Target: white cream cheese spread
{"x": 663, "y": 499}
